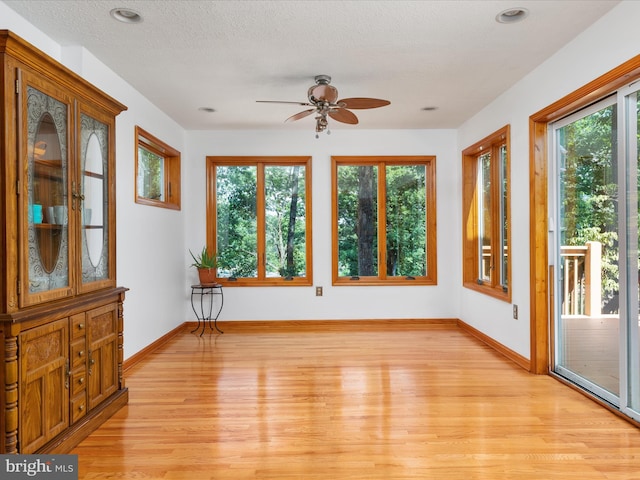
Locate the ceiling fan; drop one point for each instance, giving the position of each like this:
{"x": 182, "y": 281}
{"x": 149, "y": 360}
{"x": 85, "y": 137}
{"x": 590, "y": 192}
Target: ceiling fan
{"x": 323, "y": 97}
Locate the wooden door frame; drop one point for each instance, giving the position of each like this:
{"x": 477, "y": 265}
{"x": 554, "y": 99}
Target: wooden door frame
{"x": 540, "y": 281}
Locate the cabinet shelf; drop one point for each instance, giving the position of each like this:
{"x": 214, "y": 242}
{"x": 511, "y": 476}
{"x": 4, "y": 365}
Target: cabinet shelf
{"x": 48, "y": 226}
{"x": 98, "y": 176}
{"x": 58, "y": 226}
{"x": 48, "y": 163}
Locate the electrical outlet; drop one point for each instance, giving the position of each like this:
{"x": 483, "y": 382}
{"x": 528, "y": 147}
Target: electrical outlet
{"x": 515, "y": 312}
{"x": 318, "y": 291}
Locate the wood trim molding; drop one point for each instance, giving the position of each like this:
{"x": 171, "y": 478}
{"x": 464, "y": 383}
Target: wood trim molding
{"x": 602, "y": 86}
{"x": 137, "y": 357}
{"x": 238, "y": 326}
{"x": 512, "y": 355}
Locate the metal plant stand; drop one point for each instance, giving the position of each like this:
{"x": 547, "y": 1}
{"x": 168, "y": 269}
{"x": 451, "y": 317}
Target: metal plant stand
{"x": 204, "y": 290}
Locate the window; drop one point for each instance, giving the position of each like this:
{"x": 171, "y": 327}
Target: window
{"x": 384, "y": 220}
{"x": 259, "y": 219}
{"x": 486, "y": 238}
{"x": 157, "y": 172}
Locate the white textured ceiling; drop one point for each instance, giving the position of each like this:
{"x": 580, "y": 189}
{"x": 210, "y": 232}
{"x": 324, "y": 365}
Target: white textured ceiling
{"x": 187, "y": 54}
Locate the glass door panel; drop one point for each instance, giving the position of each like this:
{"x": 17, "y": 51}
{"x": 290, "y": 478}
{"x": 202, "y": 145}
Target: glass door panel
{"x": 632, "y": 363}
{"x": 93, "y": 199}
{"x": 46, "y": 251}
{"x": 484, "y": 217}
{"x": 587, "y": 252}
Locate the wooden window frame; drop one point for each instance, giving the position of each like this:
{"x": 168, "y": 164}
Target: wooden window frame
{"x": 471, "y": 191}
{"x": 431, "y": 278}
{"x": 261, "y": 280}
{"x": 172, "y": 177}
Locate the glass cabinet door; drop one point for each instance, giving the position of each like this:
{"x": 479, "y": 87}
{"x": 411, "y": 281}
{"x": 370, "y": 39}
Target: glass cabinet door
{"x": 45, "y": 253}
{"x": 93, "y": 205}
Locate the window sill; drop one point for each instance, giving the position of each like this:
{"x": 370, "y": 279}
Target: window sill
{"x": 490, "y": 291}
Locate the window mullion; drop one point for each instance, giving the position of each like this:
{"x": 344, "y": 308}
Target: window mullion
{"x": 261, "y": 222}
{"x": 495, "y": 216}
{"x": 479, "y": 210}
{"x": 382, "y": 220}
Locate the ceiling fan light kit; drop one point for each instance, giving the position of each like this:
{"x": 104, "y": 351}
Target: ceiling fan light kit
{"x": 323, "y": 97}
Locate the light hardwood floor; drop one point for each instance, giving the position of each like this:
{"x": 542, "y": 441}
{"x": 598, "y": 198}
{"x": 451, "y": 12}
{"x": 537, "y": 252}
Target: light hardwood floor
{"x": 383, "y": 400}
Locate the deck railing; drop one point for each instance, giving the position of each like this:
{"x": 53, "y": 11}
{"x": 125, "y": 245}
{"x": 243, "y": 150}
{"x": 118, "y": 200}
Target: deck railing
{"x": 582, "y": 281}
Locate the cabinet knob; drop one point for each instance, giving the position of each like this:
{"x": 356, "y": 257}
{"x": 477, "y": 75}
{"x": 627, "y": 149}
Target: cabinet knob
{"x": 81, "y": 353}
{"x": 80, "y": 326}
{"x": 81, "y": 407}
{"x": 81, "y": 380}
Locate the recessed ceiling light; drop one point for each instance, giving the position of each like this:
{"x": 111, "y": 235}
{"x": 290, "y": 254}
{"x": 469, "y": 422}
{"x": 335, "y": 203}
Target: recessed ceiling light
{"x": 207, "y": 109}
{"x": 126, "y": 15}
{"x": 512, "y": 15}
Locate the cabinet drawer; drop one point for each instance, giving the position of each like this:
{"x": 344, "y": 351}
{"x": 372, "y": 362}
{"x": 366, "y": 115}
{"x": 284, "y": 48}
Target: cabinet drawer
{"x": 78, "y": 354}
{"x": 78, "y": 381}
{"x": 78, "y": 407}
{"x": 78, "y": 326}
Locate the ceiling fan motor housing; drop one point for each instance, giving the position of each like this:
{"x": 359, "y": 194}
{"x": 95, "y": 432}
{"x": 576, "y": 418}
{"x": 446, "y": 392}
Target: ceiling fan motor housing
{"x": 322, "y": 91}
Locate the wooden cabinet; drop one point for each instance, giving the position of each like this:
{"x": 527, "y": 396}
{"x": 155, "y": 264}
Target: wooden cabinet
{"x": 102, "y": 344}
{"x": 78, "y": 372}
{"x": 61, "y": 319}
{"x": 44, "y": 363}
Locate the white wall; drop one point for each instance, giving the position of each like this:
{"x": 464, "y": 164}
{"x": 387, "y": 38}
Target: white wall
{"x": 343, "y": 302}
{"x": 150, "y": 241}
{"x": 610, "y": 42}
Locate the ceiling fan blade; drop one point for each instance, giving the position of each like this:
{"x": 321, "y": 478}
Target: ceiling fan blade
{"x": 342, "y": 115}
{"x": 323, "y": 92}
{"x": 300, "y": 115}
{"x": 304, "y": 104}
{"x": 361, "y": 103}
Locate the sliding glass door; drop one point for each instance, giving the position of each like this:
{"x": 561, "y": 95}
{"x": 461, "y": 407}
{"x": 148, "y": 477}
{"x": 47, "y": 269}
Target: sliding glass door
{"x": 594, "y": 221}
{"x": 631, "y": 120}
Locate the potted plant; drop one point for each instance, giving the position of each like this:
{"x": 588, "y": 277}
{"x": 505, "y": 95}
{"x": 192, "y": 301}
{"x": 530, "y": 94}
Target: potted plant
{"x": 206, "y": 265}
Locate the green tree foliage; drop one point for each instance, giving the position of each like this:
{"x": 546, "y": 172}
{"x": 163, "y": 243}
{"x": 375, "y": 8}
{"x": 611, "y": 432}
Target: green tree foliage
{"x": 590, "y": 194}
{"x": 358, "y": 228}
{"x": 285, "y": 221}
{"x": 150, "y": 174}
{"x": 357, "y": 218}
{"x": 237, "y": 230}
{"x": 406, "y": 220}
{"x": 237, "y": 241}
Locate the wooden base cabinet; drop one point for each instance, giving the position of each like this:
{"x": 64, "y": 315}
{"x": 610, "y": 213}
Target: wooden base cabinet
{"x": 44, "y": 366}
{"x": 69, "y": 367}
{"x": 61, "y": 311}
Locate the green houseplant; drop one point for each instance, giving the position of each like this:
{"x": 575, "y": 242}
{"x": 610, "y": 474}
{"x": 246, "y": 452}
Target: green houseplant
{"x": 206, "y": 264}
